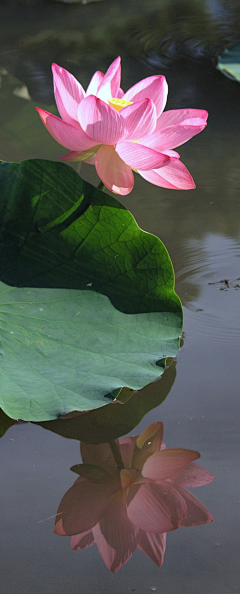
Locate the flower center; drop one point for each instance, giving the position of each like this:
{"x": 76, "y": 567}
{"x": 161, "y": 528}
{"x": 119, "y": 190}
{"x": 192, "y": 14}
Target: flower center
{"x": 118, "y": 104}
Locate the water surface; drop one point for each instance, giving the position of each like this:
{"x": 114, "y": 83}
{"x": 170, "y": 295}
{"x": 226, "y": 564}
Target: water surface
{"x": 201, "y": 232}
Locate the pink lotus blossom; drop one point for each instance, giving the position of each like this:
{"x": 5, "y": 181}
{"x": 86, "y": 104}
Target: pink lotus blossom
{"x": 122, "y": 132}
{"x": 133, "y": 506}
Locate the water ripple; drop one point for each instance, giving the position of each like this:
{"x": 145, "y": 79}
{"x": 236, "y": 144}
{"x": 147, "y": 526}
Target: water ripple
{"x": 209, "y": 286}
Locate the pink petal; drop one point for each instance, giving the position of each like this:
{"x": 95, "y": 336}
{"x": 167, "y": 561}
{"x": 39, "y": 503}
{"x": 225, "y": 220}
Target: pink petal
{"x": 197, "y": 513}
{"x": 179, "y": 116}
{"x": 163, "y": 465}
{"x": 86, "y": 156}
{"x": 155, "y": 508}
{"x": 120, "y": 93}
{"x": 147, "y": 444}
{"x": 192, "y": 475}
{"x": 81, "y": 507}
{"x": 127, "y": 476}
{"x": 69, "y": 136}
{"x": 68, "y": 94}
{"x": 73, "y": 156}
{"x": 153, "y": 545}
{"x": 82, "y": 541}
{"x": 174, "y": 176}
{"x": 91, "y": 160}
{"x": 173, "y": 136}
{"x": 154, "y": 87}
{"x": 127, "y": 445}
{"x": 140, "y": 117}
{"x": 99, "y": 455}
{"x": 140, "y": 157}
{"x": 115, "y": 535}
{"x": 171, "y": 153}
{"x": 94, "y": 83}
{"x": 109, "y": 86}
{"x": 113, "y": 172}
{"x": 100, "y": 121}
{"x": 152, "y": 437}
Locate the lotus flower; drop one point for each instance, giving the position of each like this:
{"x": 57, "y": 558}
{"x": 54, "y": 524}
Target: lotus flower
{"x": 135, "y": 503}
{"x": 121, "y": 133}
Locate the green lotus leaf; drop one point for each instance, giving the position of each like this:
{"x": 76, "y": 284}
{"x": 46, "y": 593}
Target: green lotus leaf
{"x": 87, "y": 301}
{"x": 229, "y": 62}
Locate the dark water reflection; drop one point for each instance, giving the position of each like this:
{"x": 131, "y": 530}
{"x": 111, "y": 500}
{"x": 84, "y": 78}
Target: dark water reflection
{"x": 201, "y": 232}
{"x": 86, "y": 38}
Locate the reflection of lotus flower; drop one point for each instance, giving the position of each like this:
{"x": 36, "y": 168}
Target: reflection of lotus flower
{"x": 136, "y": 505}
{"x": 122, "y": 132}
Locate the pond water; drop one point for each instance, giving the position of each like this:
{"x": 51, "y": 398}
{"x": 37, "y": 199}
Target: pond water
{"x": 201, "y": 230}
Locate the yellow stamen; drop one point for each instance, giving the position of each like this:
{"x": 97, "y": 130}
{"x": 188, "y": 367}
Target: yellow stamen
{"x": 118, "y": 104}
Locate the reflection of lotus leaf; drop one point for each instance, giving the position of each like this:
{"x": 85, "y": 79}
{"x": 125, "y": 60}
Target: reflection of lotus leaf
{"x": 5, "y": 423}
{"x": 111, "y": 421}
{"x": 98, "y": 309}
{"x": 129, "y": 494}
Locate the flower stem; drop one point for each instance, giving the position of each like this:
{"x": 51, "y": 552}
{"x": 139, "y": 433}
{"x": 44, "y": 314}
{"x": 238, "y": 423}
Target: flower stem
{"x": 117, "y": 455}
{"x": 100, "y": 186}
